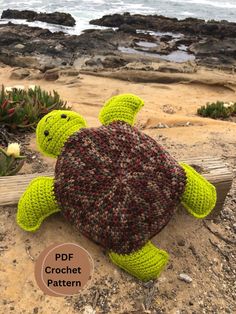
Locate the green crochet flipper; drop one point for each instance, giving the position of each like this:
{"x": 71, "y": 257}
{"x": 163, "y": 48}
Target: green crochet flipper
{"x": 200, "y": 196}
{"x": 37, "y": 203}
{"x": 114, "y": 183}
{"x": 121, "y": 108}
{"x": 145, "y": 264}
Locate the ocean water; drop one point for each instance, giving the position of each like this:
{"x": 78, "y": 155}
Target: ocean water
{"x": 86, "y": 10}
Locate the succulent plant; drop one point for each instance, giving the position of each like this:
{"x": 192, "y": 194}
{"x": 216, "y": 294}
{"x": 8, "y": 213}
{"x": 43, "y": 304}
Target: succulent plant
{"x": 21, "y": 108}
{"x": 217, "y": 110}
{"x": 10, "y": 160}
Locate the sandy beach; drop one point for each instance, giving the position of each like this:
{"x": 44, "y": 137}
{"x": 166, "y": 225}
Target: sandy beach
{"x": 186, "y": 239}
{"x": 175, "y": 67}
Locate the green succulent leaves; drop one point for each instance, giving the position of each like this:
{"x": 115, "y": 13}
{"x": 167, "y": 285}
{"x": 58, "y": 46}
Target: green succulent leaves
{"x": 24, "y": 108}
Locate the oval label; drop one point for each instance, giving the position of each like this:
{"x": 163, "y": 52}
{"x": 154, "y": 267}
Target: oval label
{"x": 63, "y": 269}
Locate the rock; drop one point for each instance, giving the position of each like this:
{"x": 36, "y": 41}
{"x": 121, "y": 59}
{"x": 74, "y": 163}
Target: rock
{"x": 113, "y": 62}
{"x": 168, "y": 109}
{"x": 94, "y": 63}
{"x": 59, "y": 18}
{"x": 161, "y": 126}
{"x": 186, "y": 278}
{"x": 38, "y": 48}
{"x": 19, "y": 74}
{"x": 19, "y": 61}
{"x": 181, "y": 242}
{"x": 16, "y": 14}
{"x": 141, "y": 66}
{"x": 161, "y": 23}
{"x": 69, "y": 72}
{"x": 19, "y": 46}
{"x": 51, "y": 75}
{"x": 127, "y": 29}
{"x": 177, "y": 68}
{"x": 35, "y": 75}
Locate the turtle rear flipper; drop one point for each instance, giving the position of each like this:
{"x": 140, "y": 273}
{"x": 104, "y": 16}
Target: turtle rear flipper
{"x": 145, "y": 264}
{"x": 37, "y": 203}
{"x": 200, "y": 196}
{"x": 121, "y": 108}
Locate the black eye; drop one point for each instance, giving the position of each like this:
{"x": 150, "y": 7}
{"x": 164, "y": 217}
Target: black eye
{"x": 46, "y": 133}
{"x": 63, "y": 116}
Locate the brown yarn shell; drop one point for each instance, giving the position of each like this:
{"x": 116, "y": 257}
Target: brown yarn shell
{"x": 117, "y": 185}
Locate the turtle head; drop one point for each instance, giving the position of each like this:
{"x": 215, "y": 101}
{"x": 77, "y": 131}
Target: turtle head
{"x": 55, "y": 128}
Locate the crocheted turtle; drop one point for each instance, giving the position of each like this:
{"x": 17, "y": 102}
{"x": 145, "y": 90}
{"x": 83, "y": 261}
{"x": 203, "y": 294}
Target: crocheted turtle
{"x": 117, "y": 185}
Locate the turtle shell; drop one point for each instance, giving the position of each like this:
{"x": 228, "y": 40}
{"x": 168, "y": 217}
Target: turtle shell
{"x": 117, "y": 185}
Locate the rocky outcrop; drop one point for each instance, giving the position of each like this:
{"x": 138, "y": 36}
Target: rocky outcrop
{"x": 38, "y": 48}
{"x": 59, "y": 18}
{"x": 19, "y": 74}
{"x": 104, "y": 49}
{"x": 191, "y": 26}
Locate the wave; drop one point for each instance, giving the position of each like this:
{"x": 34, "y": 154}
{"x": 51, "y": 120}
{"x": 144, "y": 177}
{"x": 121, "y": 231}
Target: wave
{"x": 216, "y": 4}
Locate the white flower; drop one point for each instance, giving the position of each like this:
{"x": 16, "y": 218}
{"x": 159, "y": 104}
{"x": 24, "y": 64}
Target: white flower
{"x": 21, "y": 87}
{"x": 32, "y": 87}
{"x": 227, "y": 105}
{"x": 13, "y": 149}
{"x": 8, "y": 89}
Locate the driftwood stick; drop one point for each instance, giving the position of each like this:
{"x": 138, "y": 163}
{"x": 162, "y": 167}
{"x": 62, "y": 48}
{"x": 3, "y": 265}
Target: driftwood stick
{"x": 212, "y": 168}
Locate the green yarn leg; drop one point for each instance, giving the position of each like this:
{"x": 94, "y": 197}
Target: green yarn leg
{"x": 144, "y": 264}
{"x": 121, "y": 108}
{"x": 37, "y": 203}
{"x": 199, "y": 197}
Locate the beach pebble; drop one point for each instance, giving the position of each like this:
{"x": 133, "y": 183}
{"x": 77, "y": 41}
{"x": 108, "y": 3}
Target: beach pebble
{"x": 161, "y": 126}
{"x": 181, "y": 242}
{"x": 19, "y": 46}
{"x": 185, "y": 278}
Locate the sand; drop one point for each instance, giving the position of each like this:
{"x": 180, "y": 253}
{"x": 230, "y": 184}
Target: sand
{"x": 186, "y": 239}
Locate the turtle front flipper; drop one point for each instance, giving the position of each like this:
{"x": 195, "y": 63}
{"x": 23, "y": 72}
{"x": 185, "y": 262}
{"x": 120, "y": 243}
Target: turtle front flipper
{"x": 145, "y": 264}
{"x": 200, "y": 196}
{"x": 121, "y": 108}
{"x": 37, "y": 203}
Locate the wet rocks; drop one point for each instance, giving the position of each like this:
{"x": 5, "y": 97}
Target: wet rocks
{"x": 33, "y": 47}
{"x": 59, "y": 18}
{"x": 16, "y": 14}
{"x": 127, "y": 29}
{"x": 111, "y": 49}
{"x": 191, "y": 26}
{"x": 212, "y": 42}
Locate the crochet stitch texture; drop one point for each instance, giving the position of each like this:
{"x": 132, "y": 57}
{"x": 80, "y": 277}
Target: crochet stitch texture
{"x": 55, "y": 128}
{"x": 117, "y": 185}
{"x": 114, "y": 183}
{"x": 145, "y": 264}
{"x": 199, "y": 197}
{"x": 37, "y": 203}
{"x": 123, "y": 107}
